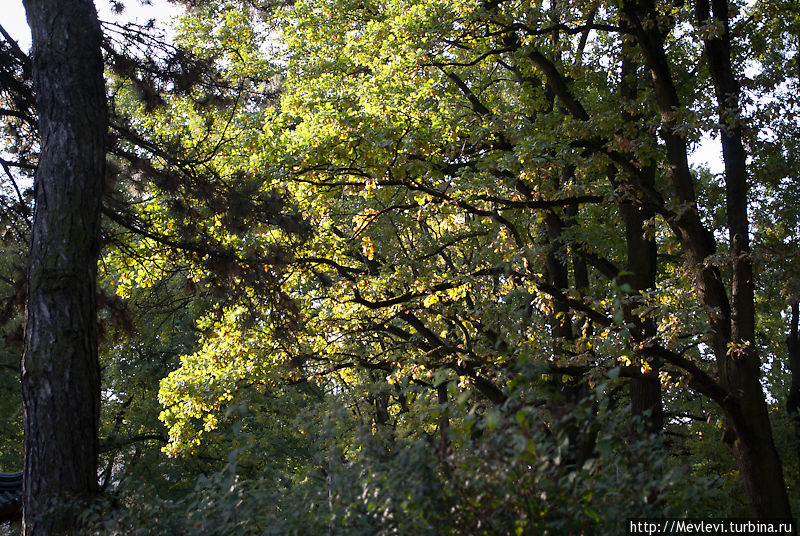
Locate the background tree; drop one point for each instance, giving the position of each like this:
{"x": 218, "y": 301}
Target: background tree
{"x": 432, "y": 151}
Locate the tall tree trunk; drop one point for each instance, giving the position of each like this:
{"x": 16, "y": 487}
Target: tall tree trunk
{"x": 60, "y": 373}
{"x": 642, "y": 262}
{"x": 753, "y": 447}
{"x": 732, "y": 335}
{"x": 571, "y": 393}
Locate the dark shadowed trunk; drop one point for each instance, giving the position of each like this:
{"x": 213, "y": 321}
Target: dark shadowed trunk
{"x": 646, "y": 399}
{"x": 793, "y": 401}
{"x": 642, "y": 262}
{"x": 60, "y": 373}
{"x": 444, "y": 420}
{"x": 572, "y": 392}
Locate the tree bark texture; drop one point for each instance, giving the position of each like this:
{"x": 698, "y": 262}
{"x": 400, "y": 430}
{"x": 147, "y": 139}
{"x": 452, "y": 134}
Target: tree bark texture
{"x": 60, "y": 372}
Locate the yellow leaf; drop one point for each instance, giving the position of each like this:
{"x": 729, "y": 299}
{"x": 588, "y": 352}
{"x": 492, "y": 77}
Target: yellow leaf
{"x": 368, "y": 247}
{"x": 430, "y": 300}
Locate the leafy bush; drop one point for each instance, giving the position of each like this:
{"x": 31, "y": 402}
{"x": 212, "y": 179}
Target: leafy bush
{"x": 504, "y": 473}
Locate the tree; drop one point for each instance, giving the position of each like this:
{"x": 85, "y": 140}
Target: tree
{"x": 60, "y": 372}
{"x": 457, "y": 157}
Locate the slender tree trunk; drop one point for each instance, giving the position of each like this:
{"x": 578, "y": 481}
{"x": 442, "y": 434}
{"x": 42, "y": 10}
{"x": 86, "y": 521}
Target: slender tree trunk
{"x": 793, "y": 401}
{"x": 444, "y": 420}
{"x": 60, "y": 373}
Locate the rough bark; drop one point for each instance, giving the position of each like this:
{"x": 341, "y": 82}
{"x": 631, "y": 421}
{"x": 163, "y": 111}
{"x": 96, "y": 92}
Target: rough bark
{"x": 60, "y": 373}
